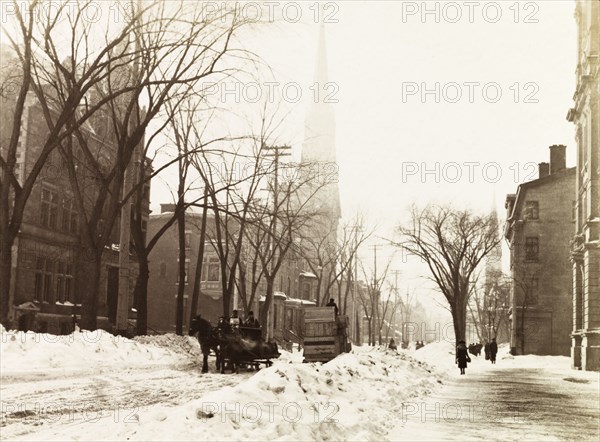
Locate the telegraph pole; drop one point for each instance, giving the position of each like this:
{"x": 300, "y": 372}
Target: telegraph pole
{"x": 122, "y": 319}
{"x": 278, "y": 152}
{"x": 396, "y": 273}
{"x": 354, "y": 321}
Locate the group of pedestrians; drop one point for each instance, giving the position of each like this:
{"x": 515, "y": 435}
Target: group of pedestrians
{"x": 463, "y": 358}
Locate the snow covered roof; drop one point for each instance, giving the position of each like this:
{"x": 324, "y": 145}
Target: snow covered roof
{"x": 279, "y": 295}
{"x": 28, "y": 306}
{"x": 308, "y": 275}
{"x": 300, "y": 301}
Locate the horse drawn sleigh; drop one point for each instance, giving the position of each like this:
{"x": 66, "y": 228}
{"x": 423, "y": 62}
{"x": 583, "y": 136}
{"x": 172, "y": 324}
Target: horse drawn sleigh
{"x": 232, "y": 346}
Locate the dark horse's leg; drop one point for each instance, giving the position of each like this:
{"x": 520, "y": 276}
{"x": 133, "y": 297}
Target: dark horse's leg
{"x": 205, "y": 347}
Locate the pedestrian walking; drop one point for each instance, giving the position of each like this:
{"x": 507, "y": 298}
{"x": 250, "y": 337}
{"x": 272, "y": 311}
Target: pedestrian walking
{"x": 493, "y": 351}
{"x": 462, "y": 356}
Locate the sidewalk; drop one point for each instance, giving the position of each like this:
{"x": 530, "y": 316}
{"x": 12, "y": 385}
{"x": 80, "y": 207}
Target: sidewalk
{"x": 496, "y": 402}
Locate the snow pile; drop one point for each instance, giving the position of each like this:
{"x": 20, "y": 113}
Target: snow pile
{"x": 31, "y": 353}
{"x": 356, "y": 396}
{"x": 440, "y": 354}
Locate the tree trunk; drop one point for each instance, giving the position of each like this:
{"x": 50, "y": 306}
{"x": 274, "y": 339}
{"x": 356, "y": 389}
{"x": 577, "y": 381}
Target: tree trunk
{"x": 5, "y": 277}
{"x": 182, "y": 275}
{"x": 141, "y": 295}
{"x": 88, "y": 281}
{"x": 199, "y": 258}
{"x": 264, "y": 311}
{"x": 459, "y": 319}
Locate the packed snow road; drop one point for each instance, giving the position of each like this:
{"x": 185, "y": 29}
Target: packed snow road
{"x": 30, "y": 404}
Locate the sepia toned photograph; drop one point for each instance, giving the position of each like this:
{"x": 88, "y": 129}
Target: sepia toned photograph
{"x": 299, "y": 220}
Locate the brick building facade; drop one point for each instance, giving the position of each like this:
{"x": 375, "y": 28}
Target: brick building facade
{"x": 44, "y": 293}
{"x": 538, "y": 217}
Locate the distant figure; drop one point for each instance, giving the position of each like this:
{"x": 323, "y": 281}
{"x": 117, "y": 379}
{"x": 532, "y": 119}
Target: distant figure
{"x": 493, "y": 351}
{"x": 462, "y": 356}
{"x": 251, "y": 321}
{"x": 223, "y": 325}
{"x": 235, "y": 319}
{"x": 392, "y": 345}
{"x": 332, "y": 303}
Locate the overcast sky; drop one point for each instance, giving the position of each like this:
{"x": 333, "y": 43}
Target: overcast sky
{"x": 505, "y": 80}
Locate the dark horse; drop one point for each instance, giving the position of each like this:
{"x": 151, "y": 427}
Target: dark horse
{"x": 207, "y": 338}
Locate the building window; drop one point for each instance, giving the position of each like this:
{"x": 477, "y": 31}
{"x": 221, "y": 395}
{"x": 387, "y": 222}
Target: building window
{"x": 188, "y": 240}
{"x": 532, "y": 248}
{"x": 532, "y": 210}
{"x": 574, "y": 211}
{"x": 70, "y": 217}
{"x": 68, "y": 293}
{"x": 60, "y": 281}
{"x": 49, "y": 209}
{"x": 163, "y": 269}
{"x": 64, "y": 281}
{"x": 211, "y": 269}
{"x": 43, "y": 280}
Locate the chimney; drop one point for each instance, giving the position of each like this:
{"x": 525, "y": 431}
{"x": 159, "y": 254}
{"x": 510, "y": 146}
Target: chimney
{"x": 167, "y": 208}
{"x": 544, "y": 169}
{"x": 558, "y": 158}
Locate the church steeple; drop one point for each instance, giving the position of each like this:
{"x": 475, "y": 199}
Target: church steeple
{"x": 318, "y": 149}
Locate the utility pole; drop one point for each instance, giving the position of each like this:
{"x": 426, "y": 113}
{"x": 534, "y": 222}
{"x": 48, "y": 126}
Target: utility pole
{"x": 278, "y": 152}
{"x": 396, "y": 273}
{"x": 131, "y": 172}
{"x": 375, "y": 299}
{"x": 354, "y": 316}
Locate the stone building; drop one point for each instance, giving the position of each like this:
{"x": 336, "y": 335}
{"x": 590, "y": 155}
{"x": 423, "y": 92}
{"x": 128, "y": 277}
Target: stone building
{"x": 538, "y": 216}
{"x": 44, "y": 293}
{"x": 585, "y": 247}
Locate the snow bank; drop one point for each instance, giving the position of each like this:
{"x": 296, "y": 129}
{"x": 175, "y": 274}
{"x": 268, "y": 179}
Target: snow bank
{"x": 439, "y": 354}
{"x": 26, "y": 353}
{"x": 357, "y": 396}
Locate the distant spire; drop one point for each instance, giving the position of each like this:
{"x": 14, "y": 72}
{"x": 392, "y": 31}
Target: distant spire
{"x": 319, "y": 139}
{"x": 494, "y": 208}
{"x": 319, "y": 132}
{"x": 321, "y": 70}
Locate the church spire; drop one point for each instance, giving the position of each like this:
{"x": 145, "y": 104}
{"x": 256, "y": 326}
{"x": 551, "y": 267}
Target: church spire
{"x": 321, "y": 70}
{"x": 318, "y": 149}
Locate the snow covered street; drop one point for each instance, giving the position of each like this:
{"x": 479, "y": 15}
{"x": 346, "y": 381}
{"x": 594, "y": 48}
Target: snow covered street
{"x": 151, "y": 388}
{"x": 30, "y": 405}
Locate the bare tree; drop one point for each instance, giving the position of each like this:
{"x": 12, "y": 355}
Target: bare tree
{"x": 488, "y": 305}
{"x": 452, "y": 243}
{"x": 371, "y": 301}
{"x": 279, "y": 222}
{"x": 54, "y": 84}
{"x": 161, "y": 65}
{"x": 525, "y": 285}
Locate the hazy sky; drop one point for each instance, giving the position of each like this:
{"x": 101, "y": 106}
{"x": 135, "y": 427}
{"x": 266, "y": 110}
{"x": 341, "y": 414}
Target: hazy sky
{"x": 505, "y": 75}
